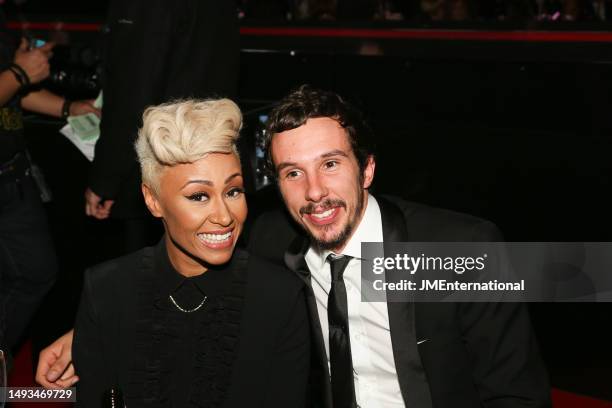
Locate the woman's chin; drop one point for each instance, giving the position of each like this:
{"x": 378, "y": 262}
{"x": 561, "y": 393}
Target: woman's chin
{"x": 216, "y": 256}
{"x": 219, "y": 259}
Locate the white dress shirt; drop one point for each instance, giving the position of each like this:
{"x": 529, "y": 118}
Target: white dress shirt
{"x": 376, "y": 382}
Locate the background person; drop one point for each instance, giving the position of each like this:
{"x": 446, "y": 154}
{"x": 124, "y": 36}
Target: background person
{"x": 156, "y": 51}
{"x": 27, "y": 259}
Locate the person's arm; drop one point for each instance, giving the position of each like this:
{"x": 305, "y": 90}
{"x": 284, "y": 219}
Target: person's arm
{"x": 291, "y": 361}
{"x": 55, "y": 369}
{"x": 8, "y": 86}
{"x": 507, "y": 367}
{"x": 33, "y": 63}
{"x": 135, "y": 74}
{"x": 50, "y": 104}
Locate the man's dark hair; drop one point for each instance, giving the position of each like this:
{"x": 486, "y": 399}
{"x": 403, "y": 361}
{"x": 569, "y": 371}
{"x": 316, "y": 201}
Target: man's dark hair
{"x": 306, "y": 103}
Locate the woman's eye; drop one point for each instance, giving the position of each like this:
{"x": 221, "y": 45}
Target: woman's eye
{"x": 235, "y": 192}
{"x": 198, "y": 197}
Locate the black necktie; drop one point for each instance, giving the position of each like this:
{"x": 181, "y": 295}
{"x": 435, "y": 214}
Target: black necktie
{"x": 343, "y": 387}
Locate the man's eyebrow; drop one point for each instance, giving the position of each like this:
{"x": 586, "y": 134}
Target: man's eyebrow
{"x": 331, "y": 153}
{"x": 285, "y": 164}
{"x": 336, "y": 152}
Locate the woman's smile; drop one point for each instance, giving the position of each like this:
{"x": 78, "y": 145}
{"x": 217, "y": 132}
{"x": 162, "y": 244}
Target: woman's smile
{"x": 218, "y": 239}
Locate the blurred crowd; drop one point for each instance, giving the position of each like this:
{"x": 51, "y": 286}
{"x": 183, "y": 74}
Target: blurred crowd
{"x": 427, "y": 10}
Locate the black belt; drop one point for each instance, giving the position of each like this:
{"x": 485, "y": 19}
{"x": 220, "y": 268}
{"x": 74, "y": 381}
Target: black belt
{"x": 16, "y": 168}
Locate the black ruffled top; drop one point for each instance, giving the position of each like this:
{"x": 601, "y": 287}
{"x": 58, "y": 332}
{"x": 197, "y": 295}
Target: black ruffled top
{"x": 185, "y": 359}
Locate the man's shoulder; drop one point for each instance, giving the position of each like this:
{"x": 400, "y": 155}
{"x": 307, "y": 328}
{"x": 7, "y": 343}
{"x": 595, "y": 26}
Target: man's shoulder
{"x": 272, "y": 274}
{"x": 271, "y": 234}
{"x": 427, "y": 223}
{"x": 273, "y": 231}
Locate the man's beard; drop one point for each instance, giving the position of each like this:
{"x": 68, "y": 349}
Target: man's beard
{"x": 342, "y": 237}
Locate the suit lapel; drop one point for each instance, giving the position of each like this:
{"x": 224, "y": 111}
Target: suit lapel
{"x": 410, "y": 372}
{"x": 294, "y": 259}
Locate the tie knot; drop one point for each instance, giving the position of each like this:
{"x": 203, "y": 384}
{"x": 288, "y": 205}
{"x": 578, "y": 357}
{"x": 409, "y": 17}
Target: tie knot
{"x": 337, "y": 265}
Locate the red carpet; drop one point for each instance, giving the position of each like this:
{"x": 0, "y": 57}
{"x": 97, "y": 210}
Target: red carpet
{"x": 563, "y": 399}
{"x": 22, "y": 376}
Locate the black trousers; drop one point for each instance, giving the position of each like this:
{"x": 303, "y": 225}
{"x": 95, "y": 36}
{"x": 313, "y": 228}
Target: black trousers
{"x": 28, "y": 264}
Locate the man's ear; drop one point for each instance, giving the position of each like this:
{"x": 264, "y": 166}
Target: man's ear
{"x": 368, "y": 172}
{"x": 151, "y": 200}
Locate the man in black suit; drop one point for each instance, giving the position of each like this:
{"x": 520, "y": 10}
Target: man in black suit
{"x": 382, "y": 354}
{"x": 379, "y": 354}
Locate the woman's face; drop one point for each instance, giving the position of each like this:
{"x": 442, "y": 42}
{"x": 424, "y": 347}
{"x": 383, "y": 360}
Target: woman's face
{"x": 203, "y": 208}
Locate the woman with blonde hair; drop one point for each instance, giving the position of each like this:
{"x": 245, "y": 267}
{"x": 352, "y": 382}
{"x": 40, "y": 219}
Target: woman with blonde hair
{"x": 194, "y": 321}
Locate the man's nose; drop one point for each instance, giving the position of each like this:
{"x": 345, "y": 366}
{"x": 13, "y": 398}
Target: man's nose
{"x": 315, "y": 190}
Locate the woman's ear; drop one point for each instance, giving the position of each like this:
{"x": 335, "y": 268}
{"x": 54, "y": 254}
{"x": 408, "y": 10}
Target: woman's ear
{"x": 151, "y": 200}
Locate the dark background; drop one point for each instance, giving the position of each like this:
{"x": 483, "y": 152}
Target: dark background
{"x": 517, "y": 132}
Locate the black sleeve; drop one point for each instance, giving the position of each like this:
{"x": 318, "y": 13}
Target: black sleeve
{"x": 136, "y": 54}
{"x": 291, "y": 365}
{"x": 506, "y": 364}
{"x": 270, "y": 236}
{"x": 87, "y": 354}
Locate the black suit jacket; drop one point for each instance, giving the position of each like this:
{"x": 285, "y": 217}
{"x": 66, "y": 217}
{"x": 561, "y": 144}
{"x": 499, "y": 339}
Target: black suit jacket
{"x": 271, "y": 361}
{"x": 474, "y": 354}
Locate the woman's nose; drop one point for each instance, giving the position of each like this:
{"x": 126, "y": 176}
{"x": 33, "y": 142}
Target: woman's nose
{"x": 221, "y": 214}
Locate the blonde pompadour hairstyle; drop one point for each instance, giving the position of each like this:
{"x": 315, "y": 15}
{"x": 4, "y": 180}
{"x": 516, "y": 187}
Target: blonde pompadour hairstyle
{"x": 183, "y": 132}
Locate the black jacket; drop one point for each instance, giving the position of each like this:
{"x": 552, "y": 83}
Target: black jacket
{"x": 157, "y": 51}
{"x": 125, "y": 314}
{"x": 476, "y": 354}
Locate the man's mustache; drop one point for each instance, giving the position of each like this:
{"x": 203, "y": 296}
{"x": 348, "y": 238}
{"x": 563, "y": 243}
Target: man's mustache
{"x": 322, "y": 206}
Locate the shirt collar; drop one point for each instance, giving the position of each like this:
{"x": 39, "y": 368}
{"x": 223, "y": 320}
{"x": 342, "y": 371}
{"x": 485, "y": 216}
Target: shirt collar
{"x": 212, "y": 283}
{"x": 369, "y": 229}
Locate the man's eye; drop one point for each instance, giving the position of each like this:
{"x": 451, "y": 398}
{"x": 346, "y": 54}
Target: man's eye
{"x": 235, "y": 192}
{"x": 198, "y": 197}
{"x": 292, "y": 174}
{"x": 331, "y": 164}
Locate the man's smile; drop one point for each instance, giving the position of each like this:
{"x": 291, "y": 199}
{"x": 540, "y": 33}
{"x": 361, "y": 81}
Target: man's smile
{"x": 324, "y": 213}
{"x": 324, "y": 217}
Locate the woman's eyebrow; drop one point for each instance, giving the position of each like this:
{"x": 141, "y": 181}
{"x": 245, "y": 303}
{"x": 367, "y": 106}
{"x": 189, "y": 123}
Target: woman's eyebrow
{"x": 210, "y": 183}
{"x": 205, "y": 182}
{"x": 227, "y": 180}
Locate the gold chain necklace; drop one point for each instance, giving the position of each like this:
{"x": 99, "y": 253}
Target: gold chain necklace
{"x": 195, "y": 309}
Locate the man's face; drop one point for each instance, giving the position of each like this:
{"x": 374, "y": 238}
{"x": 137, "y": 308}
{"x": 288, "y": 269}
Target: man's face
{"x": 320, "y": 181}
